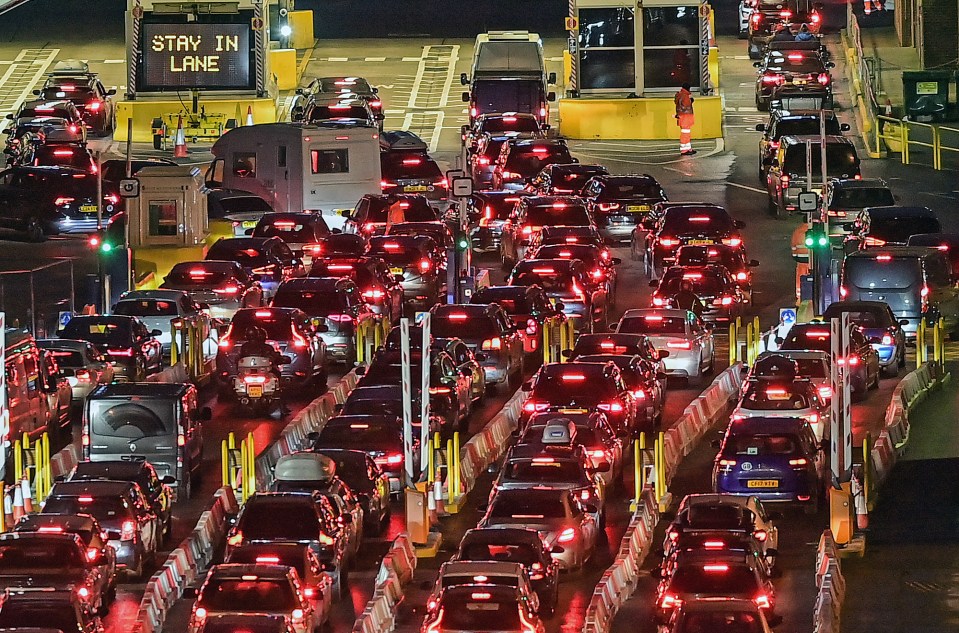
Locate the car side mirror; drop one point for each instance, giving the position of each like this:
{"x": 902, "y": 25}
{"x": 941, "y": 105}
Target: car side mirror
{"x": 661, "y": 375}
{"x": 481, "y": 356}
{"x": 590, "y": 508}
{"x": 715, "y": 443}
{"x": 556, "y": 549}
{"x": 772, "y": 552}
{"x": 779, "y": 340}
{"x": 760, "y": 127}
{"x": 774, "y": 162}
{"x": 36, "y": 92}
{"x": 156, "y": 333}
{"x": 346, "y": 518}
{"x": 464, "y": 79}
{"x": 567, "y": 353}
{"x": 248, "y": 232}
{"x": 466, "y": 97}
{"x": 398, "y": 278}
{"x": 739, "y": 224}
{"x": 10, "y": 117}
{"x": 528, "y": 385}
{"x": 559, "y": 305}
{"x": 286, "y": 360}
{"x": 653, "y": 283}
{"x": 753, "y": 263}
{"x": 602, "y": 467}
{"x": 59, "y": 478}
{"x": 663, "y": 353}
{"x": 337, "y": 408}
{"x": 205, "y": 415}
{"x": 830, "y": 64}
{"x": 844, "y": 127}
{"x": 551, "y": 96}
{"x": 903, "y": 322}
{"x": 575, "y": 160}
{"x": 169, "y": 480}
{"x": 322, "y": 327}
{"x": 757, "y": 64}
{"x": 203, "y": 306}
{"x": 551, "y": 78}
{"x": 111, "y": 92}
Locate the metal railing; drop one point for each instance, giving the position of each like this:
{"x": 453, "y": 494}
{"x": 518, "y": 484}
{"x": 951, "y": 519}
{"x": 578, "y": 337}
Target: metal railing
{"x": 899, "y": 135}
{"x": 34, "y": 297}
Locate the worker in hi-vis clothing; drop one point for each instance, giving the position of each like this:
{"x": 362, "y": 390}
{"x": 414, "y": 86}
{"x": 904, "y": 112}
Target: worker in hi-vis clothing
{"x": 685, "y": 120}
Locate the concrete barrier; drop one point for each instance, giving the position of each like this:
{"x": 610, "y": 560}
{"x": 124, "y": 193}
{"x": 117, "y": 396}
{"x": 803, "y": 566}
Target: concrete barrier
{"x": 396, "y": 571}
{"x": 831, "y": 586}
{"x": 651, "y": 118}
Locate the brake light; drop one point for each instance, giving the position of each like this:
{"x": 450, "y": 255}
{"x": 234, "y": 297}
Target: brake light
{"x": 732, "y": 241}
{"x": 598, "y": 273}
{"x": 727, "y": 462}
{"x": 442, "y": 183}
{"x": 741, "y": 276}
{"x": 532, "y": 407}
{"x": 755, "y": 18}
{"x": 127, "y": 530}
{"x": 559, "y": 205}
{"x": 784, "y": 180}
{"x": 394, "y": 459}
{"x": 785, "y": 13}
{"x": 772, "y": 79}
{"x": 825, "y": 392}
{"x": 92, "y": 554}
{"x": 308, "y": 592}
{"x": 887, "y": 339}
{"x": 794, "y": 57}
{"x": 473, "y": 111}
{"x": 658, "y": 301}
{"x": 425, "y": 265}
{"x": 50, "y": 529}
{"x": 120, "y": 352}
{"x": 82, "y": 375}
{"x": 874, "y": 241}
{"x": 374, "y": 294}
{"x": 612, "y": 407}
{"x": 802, "y": 461}
{"x": 597, "y": 454}
{"x": 668, "y": 241}
{"x": 714, "y": 545}
{"x": 386, "y": 184}
{"x": 313, "y": 249}
{"x": 608, "y": 206}
{"x": 843, "y": 292}
{"x": 669, "y": 601}
{"x": 63, "y": 152}
{"x": 268, "y": 560}
{"x": 180, "y": 439}
{"x": 824, "y": 79}
{"x": 439, "y": 391}
{"x": 639, "y": 393}
{"x": 456, "y": 316}
{"x": 326, "y": 539}
{"x": 761, "y": 535}
{"x": 574, "y": 377}
{"x": 495, "y": 343}
{"x": 483, "y": 160}
{"x": 812, "y": 418}
{"x": 716, "y": 568}
{"x": 298, "y": 341}
{"x": 762, "y": 601}
{"x": 542, "y": 111}
{"x": 540, "y": 150}
{"x": 527, "y": 230}
{"x": 112, "y": 198}
{"x": 773, "y": 144}
{"x": 853, "y": 361}
{"x": 566, "y": 536}
{"x": 254, "y": 380}
{"x": 297, "y": 615}
{"x": 679, "y": 345}
{"x": 776, "y": 392}
{"x": 63, "y": 200}
{"x": 814, "y": 18}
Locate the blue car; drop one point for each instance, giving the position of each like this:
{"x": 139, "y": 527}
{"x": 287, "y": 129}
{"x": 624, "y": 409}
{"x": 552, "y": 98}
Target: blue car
{"x": 880, "y": 327}
{"x": 774, "y": 459}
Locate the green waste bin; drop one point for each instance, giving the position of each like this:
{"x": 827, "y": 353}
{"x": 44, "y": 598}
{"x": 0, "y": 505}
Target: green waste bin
{"x": 926, "y": 94}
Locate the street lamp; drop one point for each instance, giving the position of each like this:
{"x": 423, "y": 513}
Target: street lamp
{"x": 285, "y": 32}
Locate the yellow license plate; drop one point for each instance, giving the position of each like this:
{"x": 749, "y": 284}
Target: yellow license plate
{"x": 637, "y": 208}
{"x": 573, "y": 411}
{"x": 249, "y": 224}
{"x": 700, "y": 241}
{"x": 415, "y": 188}
{"x": 397, "y": 271}
{"x": 255, "y": 391}
{"x": 762, "y": 483}
{"x": 799, "y": 82}
{"x": 89, "y": 208}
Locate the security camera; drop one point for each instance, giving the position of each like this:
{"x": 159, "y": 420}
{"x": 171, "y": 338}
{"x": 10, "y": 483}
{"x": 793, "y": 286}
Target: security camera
{"x": 283, "y": 12}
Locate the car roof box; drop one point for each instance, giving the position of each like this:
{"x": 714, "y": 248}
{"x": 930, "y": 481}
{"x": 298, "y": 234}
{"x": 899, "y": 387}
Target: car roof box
{"x": 71, "y": 67}
{"x": 559, "y": 431}
{"x": 401, "y": 140}
{"x": 775, "y": 367}
{"x": 304, "y": 467}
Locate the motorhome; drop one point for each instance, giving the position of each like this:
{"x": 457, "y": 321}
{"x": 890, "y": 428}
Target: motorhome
{"x": 300, "y": 167}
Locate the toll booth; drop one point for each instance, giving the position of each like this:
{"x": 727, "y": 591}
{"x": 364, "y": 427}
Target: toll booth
{"x": 626, "y": 60}
{"x": 168, "y": 222}
{"x": 209, "y": 61}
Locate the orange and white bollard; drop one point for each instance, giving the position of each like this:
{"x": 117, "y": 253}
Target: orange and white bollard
{"x": 17, "y": 503}
{"x": 27, "y": 496}
{"x": 179, "y": 142}
{"x": 859, "y": 503}
{"x": 8, "y": 509}
{"x": 249, "y": 115}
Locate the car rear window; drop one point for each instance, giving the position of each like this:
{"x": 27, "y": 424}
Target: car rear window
{"x": 598, "y": 345}
{"x": 199, "y": 275}
{"x": 725, "y": 516}
{"x": 808, "y": 338}
{"x": 548, "y": 278}
{"x": 300, "y": 522}
{"x": 720, "y": 621}
{"x": 322, "y": 113}
{"x": 770, "y": 398}
{"x": 841, "y": 159}
{"x": 146, "y": 308}
{"x": 763, "y": 444}
{"x": 405, "y": 165}
{"x": 278, "y": 325}
{"x": 877, "y": 274}
{"x": 811, "y": 367}
{"x": 632, "y": 189}
{"x": 545, "y": 470}
{"x": 59, "y": 155}
{"x": 480, "y": 615}
{"x": 243, "y": 255}
{"x": 510, "y": 124}
{"x": 526, "y": 506}
{"x": 68, "y": 91}
{"x": 460, "y": 324}
{"x": 653, "y": 325}
{"x": 523, "y": 554}
{"x": 131, "y": 420}
{"x": 721, "y": 578}
{"x": 314, "y": 303}
{"x": 706, "y": 220}
{"x": 109, "y": 511}
{"x": 397, "y": 253}
{"x": 23, "y": 555}
{"x": 805, "y": 125}
{"x": 868, "y": 318}
{"x": 588, "y": 254}
{"x": 248, "y": 594}
{"x": 36, "y": 614}
{"x": 68, "y": 358}
{"x": 860, "y": 197}
{"x": 573, "y": 179}
{"x": 103, "y": 331}
{"x": 358, "y": 435}
{"x": 502, "y": 580}
{"x": 531, "y": 161}
{"x": 797, "y": 63}
{"x": 265, "y": 556}
{"x": 581, "y": 386}
{"x": 291, "y": 230}
{"x": 703, "y": 283}
{"x": 510, "y": 300}
{"x": 556, "y": 215}
{"x": 417, "y": 210}
{"x": 899, "y": 229}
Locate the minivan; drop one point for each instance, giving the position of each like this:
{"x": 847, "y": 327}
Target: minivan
{"x": 786, "y": 176}
{"x": 158, "y": 422}
{"x": 914, "y": 281}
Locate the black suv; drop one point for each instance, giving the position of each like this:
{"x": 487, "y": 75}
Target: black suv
{"x": 791, "y": 122}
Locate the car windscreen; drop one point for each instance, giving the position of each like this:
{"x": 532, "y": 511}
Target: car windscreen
{"x": 131, "y": 419}
{"x": 146, "y": 308}
{"x": 198, "y": 275}
{"x": 704, "y": 284}
{"x": 794, "y": 126}
{"x": 899, "y": 229}
{"x": 631, "y": 189}
{"x": 278, "y": 325}
{"x": 896, "y": 273}
{"x": 243, "y": 254}
{"x": 527, "y": 506}
{"x": 764, "y": 444}
{"x": 463, "y": 325}
{"x": 588, "y": 254}
{"x": 361, "y": 436}
{"x": 545, "y": 470}
{"x": 653, "y": 325}
{"x": 573, "y": 179}
{"x": 705, "y": 220}
{"x": 767, "y": 398}
{"x": 720, "y": 621}
{"x": 314, "y": 303}
{"x": 29, "y": 615}
{"x": 248, "y": 594}
{"x": 513, "y": 553}
{"x": 352, "y": 470}
{"x": 502, "y": 580}
{"x": 291, "y": 230}
{"x": 480, "y": 615}
{"x": 407, "y": 165}
{"x": 866, "y": 318}
{"x": 721, "y": 578}
{"x": 506, "y": 95}
{"x": 558, "y": 214}
{"x": 808, "y": 338}
{"x": 323, "y": 113}
{"x": 102, "y": 331}
{"x": 21, "y": 555}
{"x": 860, "y": 197}
{"x": 841, "y": 159}
{"x": 109, "y": 511}
{"x": 300, "y": 522}
{"x": 573, "y": 385}
{"x": 796, "y": 63}
{"x": 416, "y": 210}
{"x": 530, "y": 160}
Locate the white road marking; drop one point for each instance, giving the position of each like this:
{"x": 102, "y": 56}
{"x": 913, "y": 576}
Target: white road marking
{"x": 337, "y": 59}
{"x": 16, "y": 84}
{"x": 374, "y": 59}
{"x": 411, "y": 59}
{"x": 747, "y": 187}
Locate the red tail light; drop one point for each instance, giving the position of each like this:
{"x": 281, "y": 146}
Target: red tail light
{"x": 843, "y": 292}
{"x": 598, "y": 273}
{"x": 639, "y": 393}
{"x": 254, "y": 380}
{"x": 474, "y": 111}
{"x": 874, "y": 241}
{"x": 531, "y": 406}
{"x": 608, "y": 206}
{"x": 200, "y": 613}
{"x": 611, "y": 407}
{"x": 483, "y": 160}
{"x": 775, "y": 80}
{"x": 63, "y": 200}
{"x": 313, "y": 249}
{"x": 298, "y": 341}
{"x": 669, "y": 601}
{"x": 235, "y": 539}
{"x": 227, "y": 290}
{"x": 495, "y": 343}
{"x": 727, "y": 462}
{"x": 658, "y": 301}
{"x": 762, "y": 601}
{"x": 442, "y": 183}
{"x": 92, "y": 554}
{"x": 824, "y": 79}
{"x": 825, "y": 392}
{"x": 924, "y": 292}
{"x": 755, "y": 18}
{"x": 527, "y": 230}
{"x": 374, "y": 294}
{"x": 741, "y": 276}
{"x": 394, "y": 459}
{"x": 784, "y": 180}
{"x": 112, "y": 198}
{"x": 542, "y": 112}
{"x": 761, "y": 535}
{"x": 668, "y": 241}
{"x": 887, "y": 339}
{"x": 566, "y": 536}
{"x": 814, "y": 18}
{"x": 326, "y": 539}
{"x": 439, "y": 391}
{"x": 726, "y": 301}
{"x": 774, "y": 144}
{"x": 94, "y": 106}
{"x": 127, "y": 530}
{"x": 801, "y": 461}
{"x": 386, "y": 184}
{"x": 120, "y": 352}
{"x": 732, "y": 241}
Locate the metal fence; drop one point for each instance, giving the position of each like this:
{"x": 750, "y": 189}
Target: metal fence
{"x": 33, "y": 298}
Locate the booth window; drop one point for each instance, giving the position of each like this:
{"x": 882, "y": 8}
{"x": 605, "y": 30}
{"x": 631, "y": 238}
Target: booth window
{"x": 607, "y": 49}
{"x": 330, "y": 161}
{"x": 163, "y": 218}
{"x": 244, "y": 164}
{"x": 671, "y": 46}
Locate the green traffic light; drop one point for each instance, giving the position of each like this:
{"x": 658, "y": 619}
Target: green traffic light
{"x": 809, "y": 240}
{"x": 106, "y": 247}
{"x": 823, "y": 240}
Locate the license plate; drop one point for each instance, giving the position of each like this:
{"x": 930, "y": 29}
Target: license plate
{"x": 700, "y": 242}
{"x": 89, "y": 208}
{"x": 762, "y": 483}
{"x": 573, "y": 411}
{"x": 415, "y": 188}
{"x": 256, "y": 391}
{"x": 799, "y": 82}
{"x": 637, "y": 208}
{"x": 249, "y": 224}
{"x": 397, "y": 271}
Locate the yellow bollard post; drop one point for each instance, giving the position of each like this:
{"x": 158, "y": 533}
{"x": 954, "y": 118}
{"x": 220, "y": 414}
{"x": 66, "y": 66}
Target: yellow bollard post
{"x": 450, "y": 479}
{"x": 243, "y": 491}
{"x": 17, "y": 460}
{"x": 174, "y": 351}
{"x": 429, "y": 461}
{"x": 936, "y": 333}
{"x": 360, "y": 344}
{"x": 904, "y": 140}
{"x": 942, "y": 341}
{"x": 920, "y": 341}
{"x": 456, "y": 461}
{"x": 638, "y": 469}
{"x": 251, "y": 470}
{"x": 732, "y": 343}
{"x": 225, "y": 465}
{"x": 749, "y": 343}
{"x": 544, "y": 344}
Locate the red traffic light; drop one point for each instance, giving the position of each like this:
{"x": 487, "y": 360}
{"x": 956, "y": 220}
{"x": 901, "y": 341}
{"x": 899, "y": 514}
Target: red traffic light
{"x": 94, "y": 241}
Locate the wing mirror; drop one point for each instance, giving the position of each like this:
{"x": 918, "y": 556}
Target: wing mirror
{"x": 464, "y": 79}
{"x": 590, "y": 508}
{"x": 602, "y": 467}
{"x": 156, "y": 333}
{"x": 760, "y": 127}
{"x": 169, "y": 480}
{"x": 774, "y": 516}
{"x": 653, "y": 283}
{"x": 616, "y": 261}
{"x": 481, "y": 356}
{"x": 844, "y": 127}
{"x": 528, "y": 385}
{"x": 739, "y": 224}
{"x": 551, "y": 78}
{"x": 360, "y": 370}
{"x": 551, "y": 96}
{"x": 753, "y": 263}
{"x": 466, "y": 97}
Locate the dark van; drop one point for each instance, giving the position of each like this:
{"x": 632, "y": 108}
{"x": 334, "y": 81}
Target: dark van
{"x": 914, "y": 281}
{"x": 157, "y": 422}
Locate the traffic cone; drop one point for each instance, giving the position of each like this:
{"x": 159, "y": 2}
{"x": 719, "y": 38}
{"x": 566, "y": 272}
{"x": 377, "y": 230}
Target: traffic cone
{"x": 7, "y": 508}
{"x": 179, "y": 143}
{"x": 859, "y": 503}
{"x": 27, "y": 496}
{"x": 17, "y": 504}
{"x": 249, "y": 115}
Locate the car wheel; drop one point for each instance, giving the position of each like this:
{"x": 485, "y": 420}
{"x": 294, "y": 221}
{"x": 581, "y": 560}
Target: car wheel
{"x": 34, "y": 230}
{"x": 902, "y": 359}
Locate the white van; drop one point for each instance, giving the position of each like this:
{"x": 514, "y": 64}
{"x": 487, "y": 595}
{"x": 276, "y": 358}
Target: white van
{"x": 297, "y": 167}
